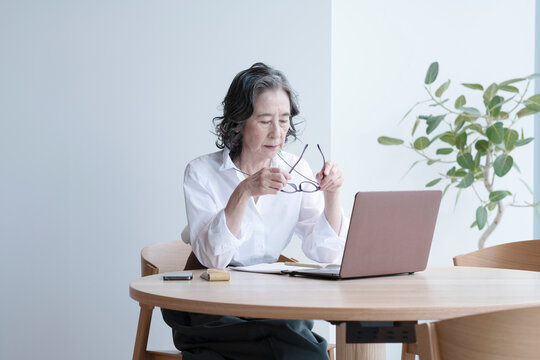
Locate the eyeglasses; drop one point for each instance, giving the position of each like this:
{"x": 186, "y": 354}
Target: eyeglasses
{"x": 308, "y": 186}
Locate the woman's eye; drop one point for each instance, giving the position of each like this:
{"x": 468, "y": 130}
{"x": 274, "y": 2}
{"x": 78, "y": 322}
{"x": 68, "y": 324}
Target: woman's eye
{"x": 265, "y": 122}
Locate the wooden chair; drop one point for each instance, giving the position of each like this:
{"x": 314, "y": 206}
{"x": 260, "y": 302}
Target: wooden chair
{"x": 521, "y": 255}
{"x": 166, "y": 257}
{"x": 501, "y": 335}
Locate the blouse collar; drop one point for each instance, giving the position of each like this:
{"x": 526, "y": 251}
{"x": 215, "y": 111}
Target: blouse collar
{"x": 227, "y": 163}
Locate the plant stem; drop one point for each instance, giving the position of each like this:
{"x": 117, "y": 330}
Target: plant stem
{"x": 452, "y": 111}
{"x": 521, "y": 98}
{"x": 486, "y": 170}
{"x": 492, "y": 226}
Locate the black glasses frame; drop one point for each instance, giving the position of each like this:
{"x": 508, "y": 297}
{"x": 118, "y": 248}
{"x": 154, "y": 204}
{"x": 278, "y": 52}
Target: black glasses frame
{"x": 308, "y": 181}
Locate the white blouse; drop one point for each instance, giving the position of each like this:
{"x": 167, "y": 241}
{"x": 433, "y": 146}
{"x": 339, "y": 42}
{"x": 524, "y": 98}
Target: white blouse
{"x": 267, "y": 226}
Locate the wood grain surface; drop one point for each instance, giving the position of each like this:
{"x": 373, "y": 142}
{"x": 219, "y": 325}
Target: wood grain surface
{"x": 437, "y": 293}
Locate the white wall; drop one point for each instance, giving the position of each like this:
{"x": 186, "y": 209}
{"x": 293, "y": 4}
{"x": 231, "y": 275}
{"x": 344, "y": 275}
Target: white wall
{"x": 102, "y": 105}
{"x": 380, "y": 54}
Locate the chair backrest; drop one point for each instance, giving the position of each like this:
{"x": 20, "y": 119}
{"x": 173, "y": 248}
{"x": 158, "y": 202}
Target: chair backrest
{"x": 164, "y": 257}
{"x": 501, "y": 335}
{"x": 521, "y": 255}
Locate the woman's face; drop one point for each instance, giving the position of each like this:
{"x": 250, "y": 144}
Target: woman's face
{"x": 265, "y": 130}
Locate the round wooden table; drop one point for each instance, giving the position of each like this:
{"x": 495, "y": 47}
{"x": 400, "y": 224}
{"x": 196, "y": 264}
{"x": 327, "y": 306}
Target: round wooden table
{"x": 434, "y": 294}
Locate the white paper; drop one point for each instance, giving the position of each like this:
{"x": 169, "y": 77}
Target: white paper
{"x": 275, "y": 268}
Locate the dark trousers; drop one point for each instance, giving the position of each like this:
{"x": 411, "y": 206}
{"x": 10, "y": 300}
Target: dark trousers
{"x": 212, "y": 337}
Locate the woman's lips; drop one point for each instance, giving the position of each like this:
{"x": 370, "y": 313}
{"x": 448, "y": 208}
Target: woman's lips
{"x": 271, "y": 147}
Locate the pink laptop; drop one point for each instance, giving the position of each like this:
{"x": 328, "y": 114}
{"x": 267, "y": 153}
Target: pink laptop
{"x": 390, "y": 232}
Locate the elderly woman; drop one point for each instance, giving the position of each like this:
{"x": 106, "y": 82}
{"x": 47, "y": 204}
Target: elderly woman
{"x": 244, "y": 204}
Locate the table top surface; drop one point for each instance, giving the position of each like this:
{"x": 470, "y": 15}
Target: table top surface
{"x": 437, "y": 293}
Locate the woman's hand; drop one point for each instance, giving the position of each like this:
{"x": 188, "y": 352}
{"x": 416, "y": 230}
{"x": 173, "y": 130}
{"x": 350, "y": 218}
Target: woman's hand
{"x": 331, "y": 179}
{"x": 266, "y": 181}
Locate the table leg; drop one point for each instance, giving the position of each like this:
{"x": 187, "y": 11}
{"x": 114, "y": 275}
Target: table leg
{"x": 346, "y": 351}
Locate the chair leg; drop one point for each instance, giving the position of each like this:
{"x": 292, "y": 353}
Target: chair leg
{"x": 331, "y": 351}
{"x": 143, "y": 329}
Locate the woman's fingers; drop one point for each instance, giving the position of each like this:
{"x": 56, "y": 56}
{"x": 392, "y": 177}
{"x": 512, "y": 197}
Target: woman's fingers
{"x": 268, "y": 181}
{"x": 331, "y": 177}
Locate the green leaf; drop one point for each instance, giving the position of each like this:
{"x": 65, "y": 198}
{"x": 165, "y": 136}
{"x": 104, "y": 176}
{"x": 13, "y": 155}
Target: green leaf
{"x": 415, "y": 126}
{"x": 466, "y": 161}
{"x": 451, "y": 172}
{"x": 460, "y": 173}
{"x": 526, "y": 112}
{"x": 457, "y": 198}
{"x": 461, "y": 140}
{"x": 432, "y": 73}
{"x": 502, "y": 116}
{"x": 481, "y": 217}
{"x": 527, "y": 186}
{"x": 433, "y": 182}
{"x": 433, "y": 122}
{"x": 495, "y": 133}
{"x": 474, "y": 86}
{"x": 442, "y": 89}
{"x": 533, "y": 100}
{"x": 502, "y": 164}
{"x": 476, "y": 127}
{"x": 444, "y": 151}
{"x": 460, "y": 101}
{"x": 509, "y": 88}
{"x": 533, "y": 103}
{"x": 411, "y": 109}
{"x": 467, "y": 181}
{"x": 460, "y": 119}
{"x": 481, "y": 146}
{"x": 515, "y": 166}
{"x": 473, "y": 224}
{"x": 510, "y": 139}
{"x": 477, "y": 159}
{"x": 491, "y": 206}
{"x": 495, "y": 196}
{"x": 524, "y": 141}
{"x": 421, "y": 143}
{"x": 495, "y": 106}
{"x": 470, "y": 110}
{"x": 507, "y": 82}
{"x": 385, "y": 140}
{"x": 490, "y": 93}
{"x": 449, "y": 138}
{"x": 445, "y": 189}
{"x": 410, "y": 168}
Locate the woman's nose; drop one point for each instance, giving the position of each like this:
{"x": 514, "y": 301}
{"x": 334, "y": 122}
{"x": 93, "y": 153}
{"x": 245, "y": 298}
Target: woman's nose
{"x": 274, "y": 129}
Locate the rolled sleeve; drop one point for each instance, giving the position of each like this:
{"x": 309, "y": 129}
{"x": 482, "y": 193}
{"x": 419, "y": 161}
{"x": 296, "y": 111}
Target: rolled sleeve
{"x": 322, "y": 243}
{"x": 210, "y": 238}
{"x": 319, "y": 240}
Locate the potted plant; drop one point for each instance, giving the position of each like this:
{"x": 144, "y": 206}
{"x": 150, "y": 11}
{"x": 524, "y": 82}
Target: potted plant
{"x": 472, "y": 148}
